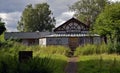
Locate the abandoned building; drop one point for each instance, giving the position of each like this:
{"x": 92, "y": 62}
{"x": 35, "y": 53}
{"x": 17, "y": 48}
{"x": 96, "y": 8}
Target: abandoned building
{"x": 72, "y": 33}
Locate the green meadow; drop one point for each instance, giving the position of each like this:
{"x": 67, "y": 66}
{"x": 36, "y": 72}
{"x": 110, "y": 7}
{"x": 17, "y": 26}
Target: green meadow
{"x": 104, "y": 63}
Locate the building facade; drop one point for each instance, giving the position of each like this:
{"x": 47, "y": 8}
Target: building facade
{"x": 72, "y": 34}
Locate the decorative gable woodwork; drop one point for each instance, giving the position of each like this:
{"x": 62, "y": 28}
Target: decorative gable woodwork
{"x": 72, "y": 26}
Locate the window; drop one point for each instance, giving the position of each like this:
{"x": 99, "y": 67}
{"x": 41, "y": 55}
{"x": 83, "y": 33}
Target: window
{"x": 58, "y": 41}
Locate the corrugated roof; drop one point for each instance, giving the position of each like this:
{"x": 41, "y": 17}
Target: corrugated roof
{"x": 37, "y": 35}
{"x": 25, "y": 35}
{"x": 71, "y": 35}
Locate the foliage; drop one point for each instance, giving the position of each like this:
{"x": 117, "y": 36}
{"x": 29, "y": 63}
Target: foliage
{"x": 108, "y": 22}
{"x": 99, "y": 64}
{"x": 10, "y": 64}
{"x": 2, "y": 27}
{"x": 49, "y": 59}
{"x": 2, "y": 38}
{"x": 87, "y": 10}
{"x": 36, "y": 18}
{"x": 91, "y": 49}
{"x": 117, "y": 48}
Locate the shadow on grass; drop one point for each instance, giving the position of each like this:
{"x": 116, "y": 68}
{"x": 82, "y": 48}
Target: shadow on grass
{"x": 10, "y": 64}
{"x": 99, "y": 66}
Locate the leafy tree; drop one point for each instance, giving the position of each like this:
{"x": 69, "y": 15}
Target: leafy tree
{"x": 2, "y": 27}
{"x": 87, "y": 10}
{"x": 108, "y": 22}
{"x": 36, "y": 18}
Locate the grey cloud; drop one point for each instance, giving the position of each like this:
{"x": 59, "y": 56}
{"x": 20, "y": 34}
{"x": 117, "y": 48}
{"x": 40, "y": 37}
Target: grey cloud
{"x": 8, "y": 7}
{"x": 59, "y": 6}
{"x": 16, "y": 5}
{"x": 11, "y": 20}
{"x": 11, "y": 5}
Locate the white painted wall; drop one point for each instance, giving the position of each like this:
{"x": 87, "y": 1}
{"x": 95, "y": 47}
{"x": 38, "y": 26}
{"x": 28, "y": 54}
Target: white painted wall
{"x": 42, "y": 41}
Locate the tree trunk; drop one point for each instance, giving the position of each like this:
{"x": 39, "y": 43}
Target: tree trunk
{"x": 104, "y": 38}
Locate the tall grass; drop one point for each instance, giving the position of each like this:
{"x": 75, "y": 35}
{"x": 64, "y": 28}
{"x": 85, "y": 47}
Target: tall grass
{"x": 99, "y": 64}
{"x": 50, "y": 59}
{"x": 61, "y": 50}
{"x": 91, "y": 49}
{"x": 10, "y": 64}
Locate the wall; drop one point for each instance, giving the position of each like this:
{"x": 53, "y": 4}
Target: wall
{"x": 89, "y": 40}
{"x": 57, "y": 41}
{"x": 42, "y": 41}
{"x": 65, "y": 41}
{"x": 30, "y": 41}
{"x": 97, "y": 40}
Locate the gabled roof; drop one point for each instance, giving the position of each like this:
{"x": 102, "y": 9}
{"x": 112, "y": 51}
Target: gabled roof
{"x": 69, "y": 21}
{"x": 25, "y": 35}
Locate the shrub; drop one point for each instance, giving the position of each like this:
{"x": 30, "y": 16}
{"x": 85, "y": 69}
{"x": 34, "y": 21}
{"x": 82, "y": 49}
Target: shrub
{"x": 114, "y": 48}
{"x": 111, "y": 48}
{"x": 117, "y": 46}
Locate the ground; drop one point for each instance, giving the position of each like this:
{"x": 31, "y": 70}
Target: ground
{"x": 72, "y": 65}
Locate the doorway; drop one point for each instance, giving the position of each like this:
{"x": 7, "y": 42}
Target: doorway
{"x": 73, "y": 43}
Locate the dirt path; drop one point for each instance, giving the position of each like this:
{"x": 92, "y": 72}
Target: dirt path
{"x": 72, "y": 65}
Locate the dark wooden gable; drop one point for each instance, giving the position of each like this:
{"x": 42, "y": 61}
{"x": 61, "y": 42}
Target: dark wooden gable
{"x": 72, "y": 26}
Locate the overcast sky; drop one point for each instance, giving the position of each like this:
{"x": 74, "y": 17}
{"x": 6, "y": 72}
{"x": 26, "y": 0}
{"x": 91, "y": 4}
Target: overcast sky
{"x": 11, "y": 10}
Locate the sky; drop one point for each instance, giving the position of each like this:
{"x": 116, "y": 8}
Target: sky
{"x": 11, "y": 11}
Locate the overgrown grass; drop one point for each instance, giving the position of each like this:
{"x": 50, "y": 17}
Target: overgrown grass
{"x": 91, "y": 49}
{"x": 99, "y": 64}
{"x": 48, "y": 64}
{"x": 49, "y": 59}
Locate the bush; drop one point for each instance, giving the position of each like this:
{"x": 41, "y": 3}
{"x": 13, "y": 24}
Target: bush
{"x": 114, "y": 48}
{"x": 117, "y": 46}
{"x": 111, "y": 48}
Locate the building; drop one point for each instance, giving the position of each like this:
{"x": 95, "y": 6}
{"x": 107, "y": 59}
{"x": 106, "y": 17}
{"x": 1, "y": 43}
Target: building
{"x": 72, "y": 33}
{"x": 27, "y": 38}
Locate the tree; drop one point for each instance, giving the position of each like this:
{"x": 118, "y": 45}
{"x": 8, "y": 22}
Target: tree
{"x": 108, "y": 22}
{"x": 2, "y": 27}
{"x": 36, "y": 18}
{"x": 87, "y": 10}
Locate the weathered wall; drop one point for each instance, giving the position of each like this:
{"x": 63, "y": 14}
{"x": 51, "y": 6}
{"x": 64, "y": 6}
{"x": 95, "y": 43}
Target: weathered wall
{"x": 97, "y": 40}
{"x": 57, "y": 41}
{"x": 65, "y": 41}
{"x": 30, "y": 41}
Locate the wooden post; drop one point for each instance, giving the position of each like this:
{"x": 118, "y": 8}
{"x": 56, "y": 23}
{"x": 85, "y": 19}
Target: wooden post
{"x": 24, "y": 56}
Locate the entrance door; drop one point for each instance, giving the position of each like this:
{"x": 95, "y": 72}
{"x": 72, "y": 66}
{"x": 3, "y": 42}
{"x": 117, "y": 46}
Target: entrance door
{"x": 73, "y": 43}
